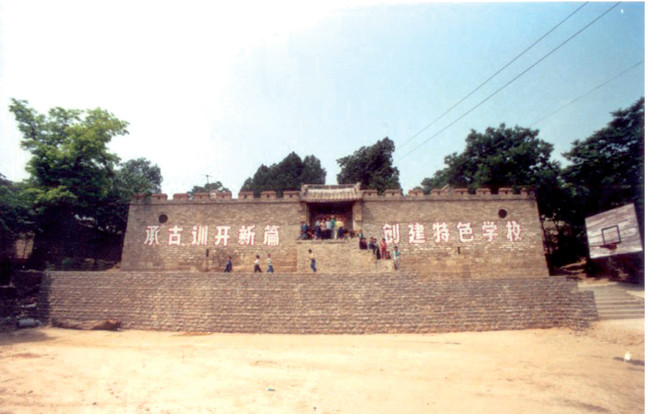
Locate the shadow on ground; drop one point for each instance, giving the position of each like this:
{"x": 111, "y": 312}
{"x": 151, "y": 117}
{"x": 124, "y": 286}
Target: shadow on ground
{"x": 17, "y": 336}
{"x": 636, "y": 362}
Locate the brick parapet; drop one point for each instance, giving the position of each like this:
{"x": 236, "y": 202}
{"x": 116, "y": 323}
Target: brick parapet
{"x": 293, "y": 196}
{"x": 205, "y": 198}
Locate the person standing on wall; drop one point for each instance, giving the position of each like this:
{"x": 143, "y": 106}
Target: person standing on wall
{"x": 340, "y": 233}
{"x": 257, "y": 264}
{"x": 268, "y": 261}
{"x": 340, "y": 228}
{"x": 396, "y": 257}
{"x": 384, "y": 248}
{"x": 312, "y": 261}
{"x": 228, "y": 268}
{"x": 363, "y": 244}
{"x": 328, "y": 229}
{"x": 317, "y": 229}
{"x": 303, "y": 231}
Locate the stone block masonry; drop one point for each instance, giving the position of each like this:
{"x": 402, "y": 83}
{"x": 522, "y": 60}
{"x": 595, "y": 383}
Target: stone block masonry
{"x": 469, "y": 262}
{"x": 199, "y": 235}
{"x": 461, "y": 236}
{"x": 445, "y": 235}
{"x": 307, "y": 303}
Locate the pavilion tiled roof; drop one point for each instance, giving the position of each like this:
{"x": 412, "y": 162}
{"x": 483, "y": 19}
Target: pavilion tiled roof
{"x": 330, "y": 193}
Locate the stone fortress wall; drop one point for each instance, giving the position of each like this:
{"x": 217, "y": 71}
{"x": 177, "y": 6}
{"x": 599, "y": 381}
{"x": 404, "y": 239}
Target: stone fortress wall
{"x": 470, "y": 262}
{"x": 445, "y": 234}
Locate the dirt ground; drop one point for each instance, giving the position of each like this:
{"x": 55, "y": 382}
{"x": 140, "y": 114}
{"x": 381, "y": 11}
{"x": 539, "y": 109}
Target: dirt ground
{"x": 48, "y": 370}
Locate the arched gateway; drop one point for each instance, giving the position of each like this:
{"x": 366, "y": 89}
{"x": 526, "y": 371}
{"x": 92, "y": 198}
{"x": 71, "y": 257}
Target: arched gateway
{"x": 468, "y": 262}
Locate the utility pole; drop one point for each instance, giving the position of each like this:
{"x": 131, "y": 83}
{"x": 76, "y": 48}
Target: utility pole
{"x": 207, "y": 178}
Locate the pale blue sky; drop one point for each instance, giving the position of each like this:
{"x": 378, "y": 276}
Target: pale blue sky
{"x": 219, "y": 90}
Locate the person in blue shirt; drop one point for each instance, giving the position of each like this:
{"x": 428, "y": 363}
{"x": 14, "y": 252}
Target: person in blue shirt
{"x": 268, "y": 261}
{"x": 396, "y": 257}
{"x": 303, "y": 231}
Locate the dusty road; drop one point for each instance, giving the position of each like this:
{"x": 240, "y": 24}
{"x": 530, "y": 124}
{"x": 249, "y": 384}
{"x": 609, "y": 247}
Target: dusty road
{"x": 535, "y": 371}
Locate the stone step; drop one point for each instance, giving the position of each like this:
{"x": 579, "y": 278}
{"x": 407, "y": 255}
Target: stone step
{"x": 614, "y": 292}
{"x": 620, "y": 303}
{"x": 614, "y": 302}
{"x": 621, "y": 315}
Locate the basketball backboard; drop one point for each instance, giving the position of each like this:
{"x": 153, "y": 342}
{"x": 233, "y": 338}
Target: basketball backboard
{"x": 613, "y": 232}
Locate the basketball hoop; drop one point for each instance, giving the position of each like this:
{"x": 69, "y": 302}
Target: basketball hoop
{"x": 610, "y": 246}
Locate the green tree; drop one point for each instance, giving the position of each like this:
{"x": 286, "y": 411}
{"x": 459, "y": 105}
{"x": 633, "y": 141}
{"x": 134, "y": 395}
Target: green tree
{"x": 606, "y": 169}
{"x": 15, "y": 219}
{"x": 137, "y": 176}
{"x": 504, "y": 157}
{"x": 15, "y": 208}
{"x": 288, "y": 174}
{"x": 500, "y": 157}
{"x": 510, "y": 157}
{"x": 207, "y": 188}
{"x": 372, "y": 166}
{"x": 70, "y": 165}
{"x": 71, "y": 172}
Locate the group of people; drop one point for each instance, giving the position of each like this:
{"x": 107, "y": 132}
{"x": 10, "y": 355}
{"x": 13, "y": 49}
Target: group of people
{"x": 324, "y": 229}
{"x": 258, "y": 269}
{"x": 256, "y": 265}
{"x": 379, "y": 250}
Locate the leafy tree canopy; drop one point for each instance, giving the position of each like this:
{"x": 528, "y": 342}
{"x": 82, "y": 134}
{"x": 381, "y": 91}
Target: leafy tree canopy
{"x": 503, "y": 157}
{"x": 15, "y": 211}
{"x": 78, "y": 191}
{"x": 288, "y": 174}
{"x": 70, "y": 163}
{"x": 137, "y": 176}
{"x": 207, "y": 188}
{"x": 606, "y": 169}
{"x": 500, "y": 157}
{"x": 372, "y": 166}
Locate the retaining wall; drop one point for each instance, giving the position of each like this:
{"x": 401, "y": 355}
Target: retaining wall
{"x": 307, "y": 303}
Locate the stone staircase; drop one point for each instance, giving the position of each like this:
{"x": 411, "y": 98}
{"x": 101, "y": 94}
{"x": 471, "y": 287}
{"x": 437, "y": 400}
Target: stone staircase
{"x": 339, "y": 257}
{"x": 614, "y": 301}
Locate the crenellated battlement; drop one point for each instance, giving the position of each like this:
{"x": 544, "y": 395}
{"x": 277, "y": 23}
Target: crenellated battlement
{"x": 446, "y": 194}
{"x": 457, "y": 231}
